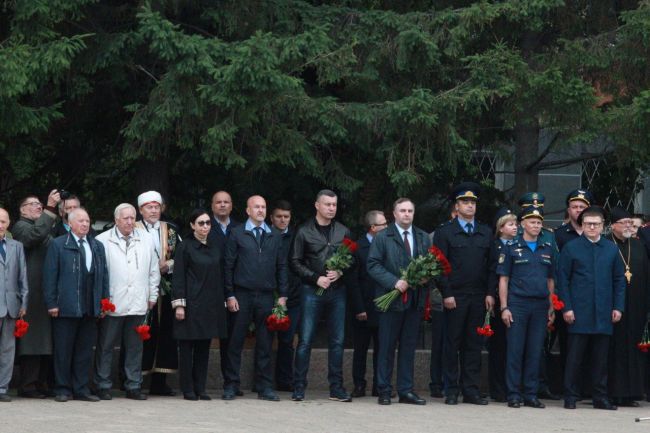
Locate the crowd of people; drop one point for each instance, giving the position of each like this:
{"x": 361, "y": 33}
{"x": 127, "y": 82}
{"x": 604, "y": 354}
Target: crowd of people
{"x": 515, "y": 287}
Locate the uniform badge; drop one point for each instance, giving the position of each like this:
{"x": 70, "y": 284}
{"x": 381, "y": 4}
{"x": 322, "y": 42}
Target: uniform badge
{"x": 502, "y": 258}
{"x": 518, "y": 251}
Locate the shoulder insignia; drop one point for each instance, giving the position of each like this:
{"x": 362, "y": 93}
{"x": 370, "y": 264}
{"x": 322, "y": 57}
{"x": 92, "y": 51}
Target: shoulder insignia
{"x": 502, "y": 258}
{"x": 548, "y": 229}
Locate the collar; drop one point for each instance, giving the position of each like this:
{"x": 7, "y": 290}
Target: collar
{"x": 224, "y": 226}
{"x": 401, "y": 230}
{"x": 369, "y": 237}
{"x": 121, "y": 236}
{"x": 154, "y": 226}
{"x": 250, "y": 226}
{"x": 463, "y": 222}
{"x": 77, "y": 238}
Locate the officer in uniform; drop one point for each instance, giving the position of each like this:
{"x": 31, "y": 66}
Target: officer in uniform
{"x": 467, "y": 244}
{"x": 576, "y": 201}
{"x": 536, "y": 200}
{"x": 525, "y": 284}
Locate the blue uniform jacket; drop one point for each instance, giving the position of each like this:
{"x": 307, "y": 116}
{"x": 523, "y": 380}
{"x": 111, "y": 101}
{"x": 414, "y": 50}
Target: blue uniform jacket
{"x": 528, "y": 270}
{"x": 591, "y": 282}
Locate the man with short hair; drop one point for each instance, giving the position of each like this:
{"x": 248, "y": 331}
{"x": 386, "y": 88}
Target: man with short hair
{"x": 391, "y": 252}
{"x": 34, "y": 350}
{"x": 75, "y": 280}
{"x": 365, "y": 325}
{"x": 13, "y": 300}
{"x": 256, "y": 266}
{"x": 591, "y": 283}
{"x": 315, "y": 242}
{"x": 576, "y": 201}
{"x": 160, "y": 352}
{"x": 64, "y": 207}
{"x": 134, "y": 278}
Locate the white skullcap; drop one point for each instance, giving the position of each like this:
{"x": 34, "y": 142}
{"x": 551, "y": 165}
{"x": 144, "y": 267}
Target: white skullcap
{"x": 148, "y": 197}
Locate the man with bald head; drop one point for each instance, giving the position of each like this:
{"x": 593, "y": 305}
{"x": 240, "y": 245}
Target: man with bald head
{"x": 255, "y": 267}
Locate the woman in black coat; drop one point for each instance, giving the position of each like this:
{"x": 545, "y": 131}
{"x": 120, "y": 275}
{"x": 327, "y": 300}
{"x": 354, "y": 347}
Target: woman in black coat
{"x": 198, "y": 299}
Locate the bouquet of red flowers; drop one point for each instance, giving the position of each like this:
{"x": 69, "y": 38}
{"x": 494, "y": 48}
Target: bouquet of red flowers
{"x": 557, "y": 304}
{"x": 21, "y": 328}
{"x": 278, "y": 320}
{"x": 340, "y": 260}
{"x": 143, "y": 330}
{"x": 107, "y": 306}
{"x": 419, "y": 271}
{"x": 644, "y": 345}
{"x": 485, "y": 330}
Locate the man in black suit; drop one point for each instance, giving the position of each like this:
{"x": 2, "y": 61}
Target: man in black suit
{"x": 467, "y": 244}
{"x": 365, "y": 324}
{"x": 222, "y": 226}
{"x": 390, "y": 252}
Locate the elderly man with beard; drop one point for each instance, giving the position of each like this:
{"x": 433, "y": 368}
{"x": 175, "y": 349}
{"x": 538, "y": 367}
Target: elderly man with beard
{"x": 626, "y": 362}
{"x": 134, "y": 278}
{"x": 34, "y": 350}
{"x": 160, "y": 353}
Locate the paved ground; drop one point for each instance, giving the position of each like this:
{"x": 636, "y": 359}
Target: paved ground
{"x": 247, "y": 414}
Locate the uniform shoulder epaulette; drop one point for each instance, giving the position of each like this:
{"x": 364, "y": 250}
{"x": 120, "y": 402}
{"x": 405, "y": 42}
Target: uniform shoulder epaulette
{"x": 548, "y": 229}
{"x": 446, "y": 223}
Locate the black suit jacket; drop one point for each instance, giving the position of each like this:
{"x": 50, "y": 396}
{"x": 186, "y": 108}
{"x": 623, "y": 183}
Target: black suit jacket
{"x": 362, "y": 294}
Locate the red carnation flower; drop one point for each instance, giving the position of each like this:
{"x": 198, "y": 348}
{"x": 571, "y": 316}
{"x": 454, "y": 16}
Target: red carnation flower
{"x": 143, "y": 332}
{"x": 107, "y": 306}
{"x": 21, "y": 328}
{"x": 352, "y": 245}
{"x": 557, "y": 303}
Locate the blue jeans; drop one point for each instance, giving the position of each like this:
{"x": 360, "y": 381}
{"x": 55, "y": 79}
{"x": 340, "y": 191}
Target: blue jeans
{"x": 333, "y": 303}
{"x": 286, "y": 351}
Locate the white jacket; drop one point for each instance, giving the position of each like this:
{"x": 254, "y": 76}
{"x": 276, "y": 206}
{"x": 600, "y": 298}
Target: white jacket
{"x": 133, "y": 275}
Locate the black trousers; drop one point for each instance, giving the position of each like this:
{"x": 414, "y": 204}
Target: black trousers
{"x": 437, "y": 343}
{"x": 256, "y": 306}
{"x": 497, "y": 358}
{"x": 36, "y": 373}
{"x": 362, "y": 336}
{"x": 596, "y": 347}
{"x": 223, "y": 346}
{"x": 193, "y": 358}
{"x": 463, "y": 345}
{"x": 73, "y": 354}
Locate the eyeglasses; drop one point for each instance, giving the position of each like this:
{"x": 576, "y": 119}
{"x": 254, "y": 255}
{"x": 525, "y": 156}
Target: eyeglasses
{"x": 625, "y": 222}
{"x": 592, "y": 225}
{"x": 33, "y": 204}
{"x": 203, "y": 223}
{"x": 381, "y": 225}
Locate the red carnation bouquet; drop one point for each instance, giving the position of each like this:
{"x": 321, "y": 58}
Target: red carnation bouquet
{"x": 143, "y": 330}
{"x": 21, "y": 328}
{"x": 419, "y": 271}
{"x": 107, "y": 306}
{"x": 485, "y": 330}
{"x": 278, "y": 320}
{"x": 557, "y": 304}
{"x": 340, "y": 260}
{"x": 644, "y": 345}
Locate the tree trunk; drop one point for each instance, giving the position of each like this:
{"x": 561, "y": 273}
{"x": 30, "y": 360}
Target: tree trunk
{"x": 526, "y": 150}
{"x": 152, "y": 174}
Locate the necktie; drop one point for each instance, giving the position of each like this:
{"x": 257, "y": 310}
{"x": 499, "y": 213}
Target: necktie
{"x": 407, "y": 245}
{"x": 3, "y": 252}
{"x": 82, "y": 253}
{"x": 258, "y": 235}
{"x": 470, "y": 228}
{"x": 127, "y": 239}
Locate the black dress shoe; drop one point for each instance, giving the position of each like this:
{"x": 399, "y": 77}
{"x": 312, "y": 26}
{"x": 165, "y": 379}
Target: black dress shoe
{"x": 86, "y": 397}
{"x": 190, "y": 396}
{"x": 412, "y": 398}
{"x": 359, "y": 391}
{"x": 205, "y": 397}
{"x": 61, "y": 398}
{"x": 239, "y": 393}
{"x": 535, "y": 403}
{"x": 4, "y": 398}
{"x": 475, "y": 399}
{"x": 384, "y": 399}
{"x": 514, "y": 403}
{"x": 268, "y": 395}
{"x": 136, "y": 394}
{"x": 569, "y": 404}
{"x": 604, "y": 404}
{"x": 451, "y": 400}
{"x": 546, "y": 394}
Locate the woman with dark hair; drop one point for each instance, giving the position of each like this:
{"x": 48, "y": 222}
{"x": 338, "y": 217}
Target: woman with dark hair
{"x": 197, "y": 293}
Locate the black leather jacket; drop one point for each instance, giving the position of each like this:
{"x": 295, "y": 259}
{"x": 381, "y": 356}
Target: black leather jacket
{"x": 311, "y": 249}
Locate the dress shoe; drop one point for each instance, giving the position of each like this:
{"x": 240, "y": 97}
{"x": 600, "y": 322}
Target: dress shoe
{"x": 190, "y": 396}
{"x": 136, "y": 394}
{"x": 451, "y": 400}
{"x": 229, "y": 394}
{"x": 604, "y": 404}
{"x": 32, "y": 393}
{"x": 284, "y": 387}
{"x": 298, "y": 394}
{"x": 569, "y": 404}
{"x": 86, "y": 397}
{"x": 475, "y": 399}
{"x": 535, "y": 403}
{"x": 359, "y": 391}
{"x": 340, "y": 395}
{"x": 412, "y": 398}
{"x": 4, "y": 398}
{"x": 268, "y": 395}
{"x": 384, "y": 399}
{"x": 546, "y": 394}
{"x": 163, "y": 392}
{"x": 205, "y": 397}
{"x": 61, "y": 398}
{"x": 514, "y": 404}
{"x": 104, "y": 394}
{"x": 436, "y": 392}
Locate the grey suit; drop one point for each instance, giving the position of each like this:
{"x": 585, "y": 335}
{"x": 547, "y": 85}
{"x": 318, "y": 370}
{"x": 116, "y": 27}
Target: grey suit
{"x": 13, "y": 297}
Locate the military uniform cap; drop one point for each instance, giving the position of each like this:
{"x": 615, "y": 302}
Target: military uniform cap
{"x": 535, "y": 199}
{"x": 531, "y": 212}
{"x": 466, "y": 190}
{"x": 501, "y": 213}
{"x": 580, "y": 194}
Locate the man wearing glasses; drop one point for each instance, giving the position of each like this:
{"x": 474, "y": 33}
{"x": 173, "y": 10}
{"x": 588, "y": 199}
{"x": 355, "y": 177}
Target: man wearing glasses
{"x": 591, "y": 283}
{"x": 35, "y": 348}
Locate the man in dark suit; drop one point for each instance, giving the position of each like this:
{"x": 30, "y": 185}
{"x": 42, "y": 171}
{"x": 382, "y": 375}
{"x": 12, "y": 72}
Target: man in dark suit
{"x": 390, "y": 252}
{"x": 222, "y": 226}
{"x": 467, "y": 244}
{"x": 365, "y": 324}
{"x": 256, "y": 266}
{"x": 13, "y": 300}
{"x": 75, "y": 280}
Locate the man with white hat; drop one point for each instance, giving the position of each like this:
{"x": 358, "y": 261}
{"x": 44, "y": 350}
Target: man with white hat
{"x": 160, "y": 354}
